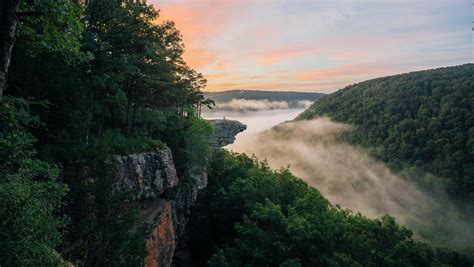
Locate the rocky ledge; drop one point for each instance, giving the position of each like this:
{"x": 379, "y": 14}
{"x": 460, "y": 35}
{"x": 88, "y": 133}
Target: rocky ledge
{"x": 224, "y": 132}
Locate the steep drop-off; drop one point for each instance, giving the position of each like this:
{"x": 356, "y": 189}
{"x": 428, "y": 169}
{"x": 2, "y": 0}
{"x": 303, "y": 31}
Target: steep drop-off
{"x": 224, "y": 132}
{"x": 166, "y": 199}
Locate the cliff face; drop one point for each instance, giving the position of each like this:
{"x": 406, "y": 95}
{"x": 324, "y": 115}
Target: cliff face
{"x": 151, "y": 178}
{"x": 146, "y": 175}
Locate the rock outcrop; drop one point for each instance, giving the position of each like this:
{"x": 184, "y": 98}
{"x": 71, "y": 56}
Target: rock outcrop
{"x": 146, "y": 175}
{"x": 224, "y": 132}
{"x": 152, "y": 179}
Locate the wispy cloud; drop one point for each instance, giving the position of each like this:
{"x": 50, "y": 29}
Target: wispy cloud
{"x": 317, "y": 45}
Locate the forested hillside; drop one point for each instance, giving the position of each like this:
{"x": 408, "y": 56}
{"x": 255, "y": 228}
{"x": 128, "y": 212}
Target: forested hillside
{"x": 88, "y": 79}
{"x": 251, "y": 215}
{"x": 421, "y": 124}
{"x": 92, "y": 79}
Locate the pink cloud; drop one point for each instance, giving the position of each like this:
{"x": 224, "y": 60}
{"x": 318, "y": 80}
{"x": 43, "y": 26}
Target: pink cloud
{"x": 246, "y": 44}
{"x": 199, "y": 22}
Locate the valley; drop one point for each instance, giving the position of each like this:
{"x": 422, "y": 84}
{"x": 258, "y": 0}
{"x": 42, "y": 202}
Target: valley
{"x": 236, "y": 133}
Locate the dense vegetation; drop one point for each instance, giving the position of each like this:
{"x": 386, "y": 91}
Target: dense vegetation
{"x": 421, "y": 124}
{"x": 251, "y": 215}
{"x": 87, "y": 79}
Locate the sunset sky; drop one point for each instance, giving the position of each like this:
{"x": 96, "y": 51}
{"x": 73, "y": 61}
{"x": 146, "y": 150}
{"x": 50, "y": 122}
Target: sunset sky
{"x": 320, "y": 46}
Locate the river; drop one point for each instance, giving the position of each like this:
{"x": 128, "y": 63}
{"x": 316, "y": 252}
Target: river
{"x": 256, "y": 121}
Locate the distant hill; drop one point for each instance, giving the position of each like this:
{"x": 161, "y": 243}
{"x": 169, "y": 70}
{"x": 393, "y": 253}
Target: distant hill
{"x": 252, "y": 100}
{"x": 226, "y": 96}
{"x": 420, "y": 123}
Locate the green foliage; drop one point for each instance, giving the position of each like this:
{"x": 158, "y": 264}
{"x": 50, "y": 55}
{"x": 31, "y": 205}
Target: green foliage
{"x": 102, "y": 224}
{"x": 52, "y": 26}
{"x": 29, "y": 193}
{"x": 188, "y": 139}
{"x": 111, "y": 80}
{"x": 420, "y": 123}
{"x": 104, "y": 78}
{"x": 253, "y": 216}
{"x": 197, "y": 141}
{"x": 115, "y": 143}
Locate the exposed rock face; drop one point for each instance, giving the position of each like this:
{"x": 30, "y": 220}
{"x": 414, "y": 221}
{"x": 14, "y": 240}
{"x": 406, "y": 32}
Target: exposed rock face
{"x": 146, "y": 175}
{"x": 225, "y": 131}
{"x": 162, "y": 241}
{"x": 152, "y": 179}
{"x": 165, "y": 221}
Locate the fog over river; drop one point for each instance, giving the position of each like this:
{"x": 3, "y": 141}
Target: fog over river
{"x": 256, "y": 121}
{"x": 346, "y": 175}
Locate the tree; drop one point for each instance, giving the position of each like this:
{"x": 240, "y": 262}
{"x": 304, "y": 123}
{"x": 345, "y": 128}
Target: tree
{"x": 251, "y": 215}
{"x": 30, "y": 195}
{"x": 8, "y": 22}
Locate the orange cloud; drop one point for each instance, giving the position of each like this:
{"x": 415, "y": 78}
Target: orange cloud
{"x": 244, "y": 44}
{"x": 197, "y": 58}
{"x": 215, "y": 76}
{"x": 199, "y": 22}
{"x": 323, "y": 79}
{"x": 279, "y": 86}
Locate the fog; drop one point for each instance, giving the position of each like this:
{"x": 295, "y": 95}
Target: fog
{"x": 242, "y": 105}
{"x": 256, "y": 121}
{"x": 348, "y": 177}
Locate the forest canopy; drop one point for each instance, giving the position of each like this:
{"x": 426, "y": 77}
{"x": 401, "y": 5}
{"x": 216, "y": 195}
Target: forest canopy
{"x": 251, "y": 215}
{"x": 420, "y": 123}
{"x": 92, "y": 79}
{"x": 87, "y": 79}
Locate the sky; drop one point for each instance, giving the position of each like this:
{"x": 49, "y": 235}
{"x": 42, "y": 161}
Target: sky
{"x": 318, "y": 45}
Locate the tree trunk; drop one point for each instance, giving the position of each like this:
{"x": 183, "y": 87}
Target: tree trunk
{"x": 133, "y": 117}
{"x": 129, "y": 104}
{"x": 8, "y": 22}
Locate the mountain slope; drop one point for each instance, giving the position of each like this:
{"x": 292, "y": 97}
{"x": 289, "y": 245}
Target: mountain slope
{"x": 421, "y": 124}
{"x": 226, "y": 96}
{"x": 251, "y": 215}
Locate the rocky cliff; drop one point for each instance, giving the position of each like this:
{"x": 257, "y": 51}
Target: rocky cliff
{"x": 152, "y": 179}
{"x": 146, "y": 175}
{"x": 224, "y": 132}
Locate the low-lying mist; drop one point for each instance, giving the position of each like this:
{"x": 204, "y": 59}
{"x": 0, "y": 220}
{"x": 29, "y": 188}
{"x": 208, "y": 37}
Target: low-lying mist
{"x": 243, "y": 105}
{"x": 347, "y": 176}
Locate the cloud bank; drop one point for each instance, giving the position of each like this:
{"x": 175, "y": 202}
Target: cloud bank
{"x": 242, "y": 105}
{"x": 348, "y": 177}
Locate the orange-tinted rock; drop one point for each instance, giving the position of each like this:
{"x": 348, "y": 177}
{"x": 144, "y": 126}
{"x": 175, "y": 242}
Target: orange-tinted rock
{"x": 162, "y": 242}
